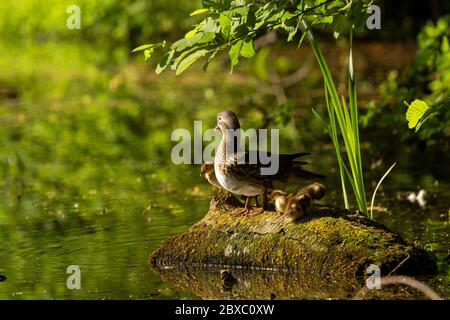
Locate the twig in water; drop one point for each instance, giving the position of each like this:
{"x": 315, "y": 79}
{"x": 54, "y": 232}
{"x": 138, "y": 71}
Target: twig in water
{"x": 399, "y": 265}
{"x": 426, "y": 290}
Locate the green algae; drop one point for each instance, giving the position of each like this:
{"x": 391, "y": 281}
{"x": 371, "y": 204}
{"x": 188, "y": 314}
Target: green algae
{"x": 328, "y": 242}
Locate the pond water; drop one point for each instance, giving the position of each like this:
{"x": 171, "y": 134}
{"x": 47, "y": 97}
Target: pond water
{"x": 86, "y": 178}
{"x": 108, "y": 230}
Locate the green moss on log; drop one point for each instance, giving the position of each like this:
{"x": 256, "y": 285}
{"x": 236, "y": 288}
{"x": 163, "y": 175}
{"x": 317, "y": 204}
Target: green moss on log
{"x": 328, "y": 242}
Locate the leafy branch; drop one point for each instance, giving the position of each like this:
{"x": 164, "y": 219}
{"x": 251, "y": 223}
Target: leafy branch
{"x": 235, "y": 24}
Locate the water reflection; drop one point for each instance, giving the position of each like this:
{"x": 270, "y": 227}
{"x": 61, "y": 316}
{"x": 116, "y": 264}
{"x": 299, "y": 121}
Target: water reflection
{"x": 269, "y": 285}
{"x": 109, "y": 233}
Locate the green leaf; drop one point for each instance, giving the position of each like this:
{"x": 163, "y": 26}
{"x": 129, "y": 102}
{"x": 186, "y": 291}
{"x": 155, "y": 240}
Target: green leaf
{"x": 211, "y": 57}
{"x": 210, "y": 25}
{"x": 234, "y": 54}
{"x": 185, "y": 43}
{"x": 247, "y": 50}
{"x": 341, "y": 25}
{"x": 225, "y": 23}
{"x": 327, "y": 20}
{"x": 415, "y": 111}
{"x": 219, "y": 5}
{"x": 145, "y": 46}
{"x": 319, "y": 118}
{"x": 190, "y": 59}
{"x": 425, "y": 118}
{"x": 198, "y": 11}
{"x": 301, "y": 39}
{"x": 240, "y": 11}
{"x": 358, "y": 15}
{"x": 292, "y": 28}
{"x": 165, "y": 61}
{"x": 207, "y": 37}
{"x": 183, "y": 55}
{"x": 191, "y": 33}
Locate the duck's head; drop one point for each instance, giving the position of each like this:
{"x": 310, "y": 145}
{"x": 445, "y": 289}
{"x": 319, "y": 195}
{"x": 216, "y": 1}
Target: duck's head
{"x": 317, "y": 190}
{"x": 227, "y": 120}
{"x": 206, "y": 168}
{"x": 276, "y": 194}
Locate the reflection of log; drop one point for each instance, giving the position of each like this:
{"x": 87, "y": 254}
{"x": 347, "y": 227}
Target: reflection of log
{"x": 209, "y": 284}
{"x": 326, "y": 243}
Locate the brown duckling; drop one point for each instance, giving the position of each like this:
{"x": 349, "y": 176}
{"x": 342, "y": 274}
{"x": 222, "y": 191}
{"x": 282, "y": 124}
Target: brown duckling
{"x": 297, "y": 204}
{"x": 279, "y": 199}
{"x": 207, "y": 171}
{"x": 301, "y": 202}
{"x": 315, "y": 190}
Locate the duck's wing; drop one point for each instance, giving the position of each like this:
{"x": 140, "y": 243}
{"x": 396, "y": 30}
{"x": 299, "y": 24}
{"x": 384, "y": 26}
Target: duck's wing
{"x": 244, "y": 170}
{"x": 263, "y": 157}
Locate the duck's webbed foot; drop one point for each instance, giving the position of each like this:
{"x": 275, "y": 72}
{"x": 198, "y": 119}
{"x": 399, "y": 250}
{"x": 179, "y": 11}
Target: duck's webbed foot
{"x": 246, "y": 209}
{"x": 249, "y": 209}
{"x": 241, "y": 211}
{"x": 256, "y": 210}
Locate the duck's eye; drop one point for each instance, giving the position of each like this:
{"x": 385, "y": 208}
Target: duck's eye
{"x": 220, "y": 118}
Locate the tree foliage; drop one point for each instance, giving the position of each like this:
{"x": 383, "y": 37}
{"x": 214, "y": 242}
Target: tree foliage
{"x": 232, "y": 26}
{"x": 427, "y": 79}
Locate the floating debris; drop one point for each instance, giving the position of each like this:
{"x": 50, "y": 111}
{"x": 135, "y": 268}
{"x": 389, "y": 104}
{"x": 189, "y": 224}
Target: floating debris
{"x": 418, "y": 198}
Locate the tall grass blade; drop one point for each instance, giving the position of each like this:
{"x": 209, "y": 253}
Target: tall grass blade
{"x": 353, "y": 102}
{"x": 346, "y": 117}
{"x": 376, "y": 189}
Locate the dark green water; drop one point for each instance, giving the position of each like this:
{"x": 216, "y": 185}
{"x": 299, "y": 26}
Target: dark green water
{"x": 107, "y": 232}
{"x": 85, "y": 171}
{"x": 110, "y": 231}
{"x": 86, "y": 177}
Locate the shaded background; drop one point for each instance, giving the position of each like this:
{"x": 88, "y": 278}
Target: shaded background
{"x": 85, "y": 170}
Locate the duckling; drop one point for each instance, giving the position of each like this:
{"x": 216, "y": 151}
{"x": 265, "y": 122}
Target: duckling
{"x": 316, "y": 190}
{"x": 207, "y": 171}
{"x": 279, "y": 199}
{"x": 297, "y": 204}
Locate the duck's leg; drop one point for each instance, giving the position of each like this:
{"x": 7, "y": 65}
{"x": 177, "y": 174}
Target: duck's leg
{"x": 247, "y": 207}
{"x": 256, "y": 201}
{"x": 264, "y": 204}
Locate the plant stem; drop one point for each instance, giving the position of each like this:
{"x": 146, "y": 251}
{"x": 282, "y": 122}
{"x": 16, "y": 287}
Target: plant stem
{"x": 348, "y": 124}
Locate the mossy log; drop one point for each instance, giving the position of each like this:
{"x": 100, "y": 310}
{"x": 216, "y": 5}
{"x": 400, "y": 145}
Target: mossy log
{"x": 327, "y": 243}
